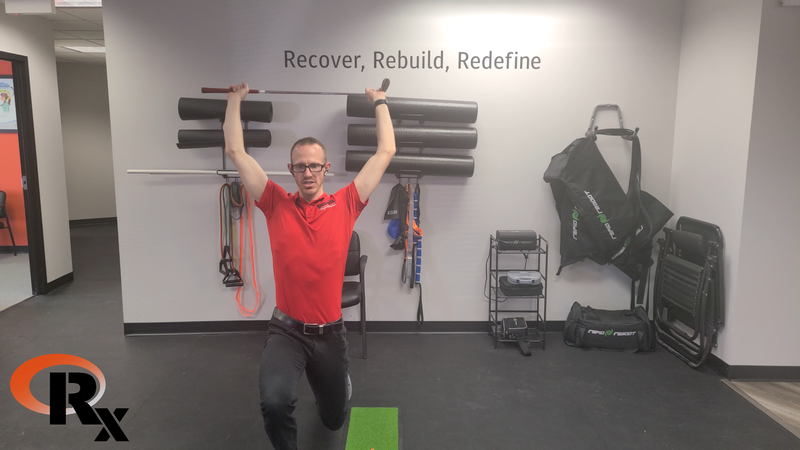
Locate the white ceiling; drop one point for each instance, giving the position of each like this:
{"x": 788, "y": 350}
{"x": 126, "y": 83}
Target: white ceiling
{"x": 81, "y": 27}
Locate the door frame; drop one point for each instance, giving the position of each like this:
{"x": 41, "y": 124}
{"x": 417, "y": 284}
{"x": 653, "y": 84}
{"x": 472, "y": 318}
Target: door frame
{"x": 27, "y": 150}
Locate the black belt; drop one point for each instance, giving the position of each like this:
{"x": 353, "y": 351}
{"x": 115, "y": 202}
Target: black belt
{"x": 313, "y": 329}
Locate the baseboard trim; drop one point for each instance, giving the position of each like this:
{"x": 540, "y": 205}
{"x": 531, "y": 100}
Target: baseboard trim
{"x": 217, "y": 327}
{"x": 412, "y": 327}
{"x": 256, "y": 326}
{"x": 58, "y": 282}
{"x": 98, "y": 221}
{"x": 438, "y": 327}
{"x": 752, "y": 373}
{"x": 10, "y": 249}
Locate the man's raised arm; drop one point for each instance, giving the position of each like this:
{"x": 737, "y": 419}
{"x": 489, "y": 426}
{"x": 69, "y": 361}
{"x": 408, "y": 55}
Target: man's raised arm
{"x": 370, "y": 175}
{"x": 253, "y": 177}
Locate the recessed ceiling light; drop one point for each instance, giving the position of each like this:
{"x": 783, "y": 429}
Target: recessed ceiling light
{"x": 86, "y": 49}
{"x": 79, "y": 3}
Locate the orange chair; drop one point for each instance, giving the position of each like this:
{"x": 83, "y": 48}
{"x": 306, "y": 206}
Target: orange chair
{"x": 4, "y": 215}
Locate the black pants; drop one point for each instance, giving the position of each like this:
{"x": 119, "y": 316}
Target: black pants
{"x": 287, "y": 353}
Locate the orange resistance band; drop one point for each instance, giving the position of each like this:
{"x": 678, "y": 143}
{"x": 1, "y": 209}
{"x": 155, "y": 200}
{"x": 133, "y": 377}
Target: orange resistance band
{"x": 239, "y": 295}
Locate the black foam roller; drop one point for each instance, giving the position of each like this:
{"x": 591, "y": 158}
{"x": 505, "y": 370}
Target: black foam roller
{"x": 216, "y": 138}
{"x": 203, "y": 108}
{"x": 454, "y": 111}
{"x": 417, "y": 137}
{"x": 442, "y": 165}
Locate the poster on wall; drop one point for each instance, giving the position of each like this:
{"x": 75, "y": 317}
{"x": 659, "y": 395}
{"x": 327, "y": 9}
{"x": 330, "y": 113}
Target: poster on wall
{"x": 8, "y": 110}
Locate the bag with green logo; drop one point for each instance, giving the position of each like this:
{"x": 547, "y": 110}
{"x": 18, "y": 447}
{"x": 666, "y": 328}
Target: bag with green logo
{"x": 599, "y": 220}
{"x": 629, "y": 330}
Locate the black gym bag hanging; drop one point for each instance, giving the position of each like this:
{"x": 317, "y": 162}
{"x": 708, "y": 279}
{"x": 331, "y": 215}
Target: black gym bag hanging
{"x": 599, "y": 220}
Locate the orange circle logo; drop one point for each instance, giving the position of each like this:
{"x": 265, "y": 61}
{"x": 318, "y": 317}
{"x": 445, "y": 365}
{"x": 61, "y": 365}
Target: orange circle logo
{"x": 21, "y": 379}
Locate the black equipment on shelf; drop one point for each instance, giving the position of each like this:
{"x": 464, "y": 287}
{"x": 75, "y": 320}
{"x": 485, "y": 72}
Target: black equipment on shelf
{"x": 501, "y": 291}
{"x": 516, "y": 239}
{"x": 517, "y": 329}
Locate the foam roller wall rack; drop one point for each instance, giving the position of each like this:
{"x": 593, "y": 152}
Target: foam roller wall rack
{"x": 205, "y": 109}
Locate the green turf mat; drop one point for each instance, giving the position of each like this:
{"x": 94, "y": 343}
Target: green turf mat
{"x": 372, "y": 429}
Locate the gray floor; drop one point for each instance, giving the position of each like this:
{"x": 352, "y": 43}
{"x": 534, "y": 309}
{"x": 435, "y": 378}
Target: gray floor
{"x": 15, "y": 279}
{"x": 452, "y": 391}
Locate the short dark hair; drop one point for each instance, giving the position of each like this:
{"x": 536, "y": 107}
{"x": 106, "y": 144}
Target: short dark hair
{"x": 308, "y": 140}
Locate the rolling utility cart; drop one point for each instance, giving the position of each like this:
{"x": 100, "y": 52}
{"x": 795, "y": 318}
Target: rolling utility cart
{"x": 518, "y": 266}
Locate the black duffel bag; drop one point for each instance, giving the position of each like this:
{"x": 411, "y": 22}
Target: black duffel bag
{"x": 596, "y": 328}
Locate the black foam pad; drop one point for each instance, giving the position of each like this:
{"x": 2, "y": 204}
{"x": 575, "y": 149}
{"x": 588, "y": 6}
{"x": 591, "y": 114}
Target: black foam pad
{"x": 442, "y": 165}
{"x": 203, "y": 108}
{"x": 417, "y": 137}
{"x": 453, "y": 111}
{"x": 690, "y": 246}
{"x": 216, "y": 138}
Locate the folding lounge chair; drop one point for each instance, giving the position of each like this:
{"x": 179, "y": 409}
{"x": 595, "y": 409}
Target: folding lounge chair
{"x": 689, "y": 290}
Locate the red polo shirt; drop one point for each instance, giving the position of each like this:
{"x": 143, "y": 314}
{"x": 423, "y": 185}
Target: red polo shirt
{"x": 309, "y": 249}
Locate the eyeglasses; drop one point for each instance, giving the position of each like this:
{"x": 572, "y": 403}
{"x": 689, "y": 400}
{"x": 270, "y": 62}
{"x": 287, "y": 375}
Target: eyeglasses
{"x": 300, "y": 168}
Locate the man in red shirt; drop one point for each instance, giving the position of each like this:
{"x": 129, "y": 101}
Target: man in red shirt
{"x": 309, "y": 235}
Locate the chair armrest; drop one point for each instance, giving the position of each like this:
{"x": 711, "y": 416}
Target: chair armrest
{"x": 362, "y": 262}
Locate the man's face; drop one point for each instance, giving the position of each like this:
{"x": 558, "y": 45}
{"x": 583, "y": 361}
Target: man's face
{"x": 309, "y": 183}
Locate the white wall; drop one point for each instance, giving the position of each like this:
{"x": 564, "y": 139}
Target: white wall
{"x": 767, "y": 299}
{"x": 83, "y": 96}
{"x": 33, "y": 37}
{"x": 712, "y": 131}
{"x": 621, "y": 51}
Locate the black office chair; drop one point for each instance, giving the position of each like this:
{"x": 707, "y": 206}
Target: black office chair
{"x": 4, "y": 215}
{"x": 353, "y": 291}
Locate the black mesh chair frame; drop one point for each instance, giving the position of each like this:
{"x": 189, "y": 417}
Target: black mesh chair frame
{"x": 689, "y": 290}
{"x": 353, "y": 291}
{"x": 4, "y": 215}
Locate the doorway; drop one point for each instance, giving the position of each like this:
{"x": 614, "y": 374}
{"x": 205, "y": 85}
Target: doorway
{"x": 19, "y": 179}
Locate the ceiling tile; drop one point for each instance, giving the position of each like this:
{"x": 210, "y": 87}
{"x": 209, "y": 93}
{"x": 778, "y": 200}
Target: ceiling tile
{"x": 79, "y": 27}
{"x": 83, "y": 13}
{"x": 61, "y": 14}
{"x": 73, "y": 43}
{"x": 81, "y": 58}
{"x": 75, "y": 25}
{"x": 61, "y": 35}
{"x": 90, "y": 35}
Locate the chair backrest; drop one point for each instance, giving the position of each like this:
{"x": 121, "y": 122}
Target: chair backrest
{"x": 690, "y": 246}
{"x": 2, "y": 203}
{"x": 353, "y": 266}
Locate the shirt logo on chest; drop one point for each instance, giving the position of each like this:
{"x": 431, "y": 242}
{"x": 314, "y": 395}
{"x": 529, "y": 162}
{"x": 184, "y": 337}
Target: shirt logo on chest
{"x": 325, "y": 205}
